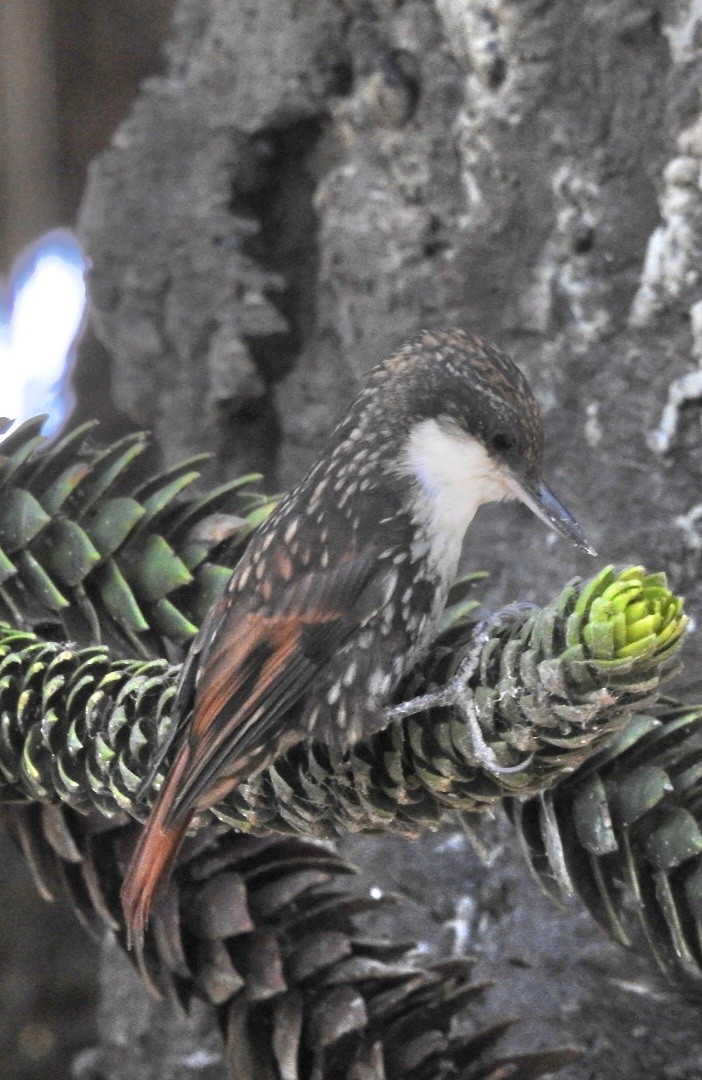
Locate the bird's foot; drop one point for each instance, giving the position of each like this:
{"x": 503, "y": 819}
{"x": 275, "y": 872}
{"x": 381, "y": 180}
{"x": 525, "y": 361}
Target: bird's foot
{"x": 464, "y": 703}
{"x": 458, "y": 693}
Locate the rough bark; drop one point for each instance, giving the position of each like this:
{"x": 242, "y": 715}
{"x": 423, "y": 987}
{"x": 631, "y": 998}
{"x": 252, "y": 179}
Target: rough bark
{"x": 311, "y": 180}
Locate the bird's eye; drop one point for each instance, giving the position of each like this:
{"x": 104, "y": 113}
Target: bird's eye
{"x": 502, "y": 442}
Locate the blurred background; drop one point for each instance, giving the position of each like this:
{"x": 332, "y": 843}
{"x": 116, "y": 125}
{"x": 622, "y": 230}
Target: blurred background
{"x": 68, "y": 72}
{"x": 281, "y": 189}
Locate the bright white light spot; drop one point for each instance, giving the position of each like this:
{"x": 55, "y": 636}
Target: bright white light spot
{"x": 201, "y": 1059}
{"x": 455, "y": 842}
{"x": 41, "y": 314}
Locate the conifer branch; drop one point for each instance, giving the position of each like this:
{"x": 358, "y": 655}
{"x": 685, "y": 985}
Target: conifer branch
{"x": 624, "y": 833}
{"x": 90, "y": 555}
{"x": 266, "y": 931}
{"x": 80, "y": 727}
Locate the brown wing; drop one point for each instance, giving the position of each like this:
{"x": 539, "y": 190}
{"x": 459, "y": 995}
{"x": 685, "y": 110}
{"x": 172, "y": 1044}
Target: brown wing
{"x": 253, "y": 666}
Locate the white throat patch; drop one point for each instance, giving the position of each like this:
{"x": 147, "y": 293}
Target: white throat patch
{"x": 454, "y": 475}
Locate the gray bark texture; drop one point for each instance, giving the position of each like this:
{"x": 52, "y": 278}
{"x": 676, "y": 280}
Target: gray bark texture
{"x": 312, "y": 180}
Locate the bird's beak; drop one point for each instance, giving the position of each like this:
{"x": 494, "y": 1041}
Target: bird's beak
{"x": 551, "y": 510}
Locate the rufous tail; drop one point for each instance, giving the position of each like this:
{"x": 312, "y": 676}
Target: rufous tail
{"x": 152, "y": 862}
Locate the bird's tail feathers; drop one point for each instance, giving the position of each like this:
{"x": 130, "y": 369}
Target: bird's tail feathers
{"x": 152, "y": 862}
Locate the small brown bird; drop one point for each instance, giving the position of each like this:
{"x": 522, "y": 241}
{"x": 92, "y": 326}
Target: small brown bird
{"x": 341, "y": 590}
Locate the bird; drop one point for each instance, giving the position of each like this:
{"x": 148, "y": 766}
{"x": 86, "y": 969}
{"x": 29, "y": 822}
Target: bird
{"x": 342, "y": 588}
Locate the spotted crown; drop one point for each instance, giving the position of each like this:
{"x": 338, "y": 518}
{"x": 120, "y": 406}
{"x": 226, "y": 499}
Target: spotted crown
{"x": 449, "y": 373}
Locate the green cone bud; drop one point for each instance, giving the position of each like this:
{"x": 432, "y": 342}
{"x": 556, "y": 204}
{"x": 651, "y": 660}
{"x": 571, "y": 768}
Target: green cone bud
{"x": 622, "y": 617}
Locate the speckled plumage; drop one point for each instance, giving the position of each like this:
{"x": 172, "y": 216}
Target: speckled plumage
{"x": 341, "y": 590}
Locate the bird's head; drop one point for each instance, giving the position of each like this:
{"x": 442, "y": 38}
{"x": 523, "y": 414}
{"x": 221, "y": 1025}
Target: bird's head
{"x": 473, "y": 431}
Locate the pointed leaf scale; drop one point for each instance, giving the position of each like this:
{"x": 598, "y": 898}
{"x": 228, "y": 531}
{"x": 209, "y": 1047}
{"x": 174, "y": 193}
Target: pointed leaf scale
{"x": 150, "y": 487}
{"x": 222, "y": 909}
{"x": 639, "y": 791}
{"x": 603, "y": 900}
{"x": 621, "y": 592}
{"x": 601, "y": 611}
{"x": 286, "y": 1039}
{"x": 650, "y": 624}
{"x": 643, "y": 647}
{"x": 591, "y": 815}
{"x": 456, "y": 613}
{"x": 172, "y": 622}
{"x": 76, "y": 700}
{"x": 211, "y": 581}
{"x": 14, "y": 466}
{"x": 57, "y": 455}
{"x": 674, "y": 924}
{"x": 131, "y": 781}
{"x": 155, "y": 570}
{"x": 25, "y": 435}
{"x": 573, "y": 630}
{"x": 599, "y": 638}
{"x": 672, "y": 733}
{"x": 21, "y": 520}
{"x": 340, "y": 1012}
{"x": 103, "y": 751}
{"x": 106, "y": 467}
{"x": 619, "y": 629}
{"x": 677, "y": 839}
{"x": 119, "y": 599}
{"x": 659, "y": 580}
{"x": 7, "y": 568}
{"x": 160, "y": 501}
{"x": 259, "y": 515}
{"x": 70, "y": 555}
{"x": 218, "y": 977}
{"x": 51, "y": 687}
{"x": 465, "y": 583}
{"x": 636, "y": 611}
{"x": 636, "y": 573}
{"x": 689, "y": 780}
{"x": 40, "y": 584}
{"x": 30, "y": 771}
{"x": 55, "y": 496}
{"x": 137, "y": 743}
{"x": 593, "y": 589}
{"x": 113, "y": 523}
{"x": 673, "y": 630}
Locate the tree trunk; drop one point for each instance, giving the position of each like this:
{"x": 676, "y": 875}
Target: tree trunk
{"x": 312, "y": 180}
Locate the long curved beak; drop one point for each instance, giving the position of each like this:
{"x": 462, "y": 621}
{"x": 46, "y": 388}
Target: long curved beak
{"x": 541, "y": 500}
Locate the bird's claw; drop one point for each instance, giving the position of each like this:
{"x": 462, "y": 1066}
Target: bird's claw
{"x": 459, "y": 695}
{"x": 464, "y": 702}
{"x": 501, "y": 770}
